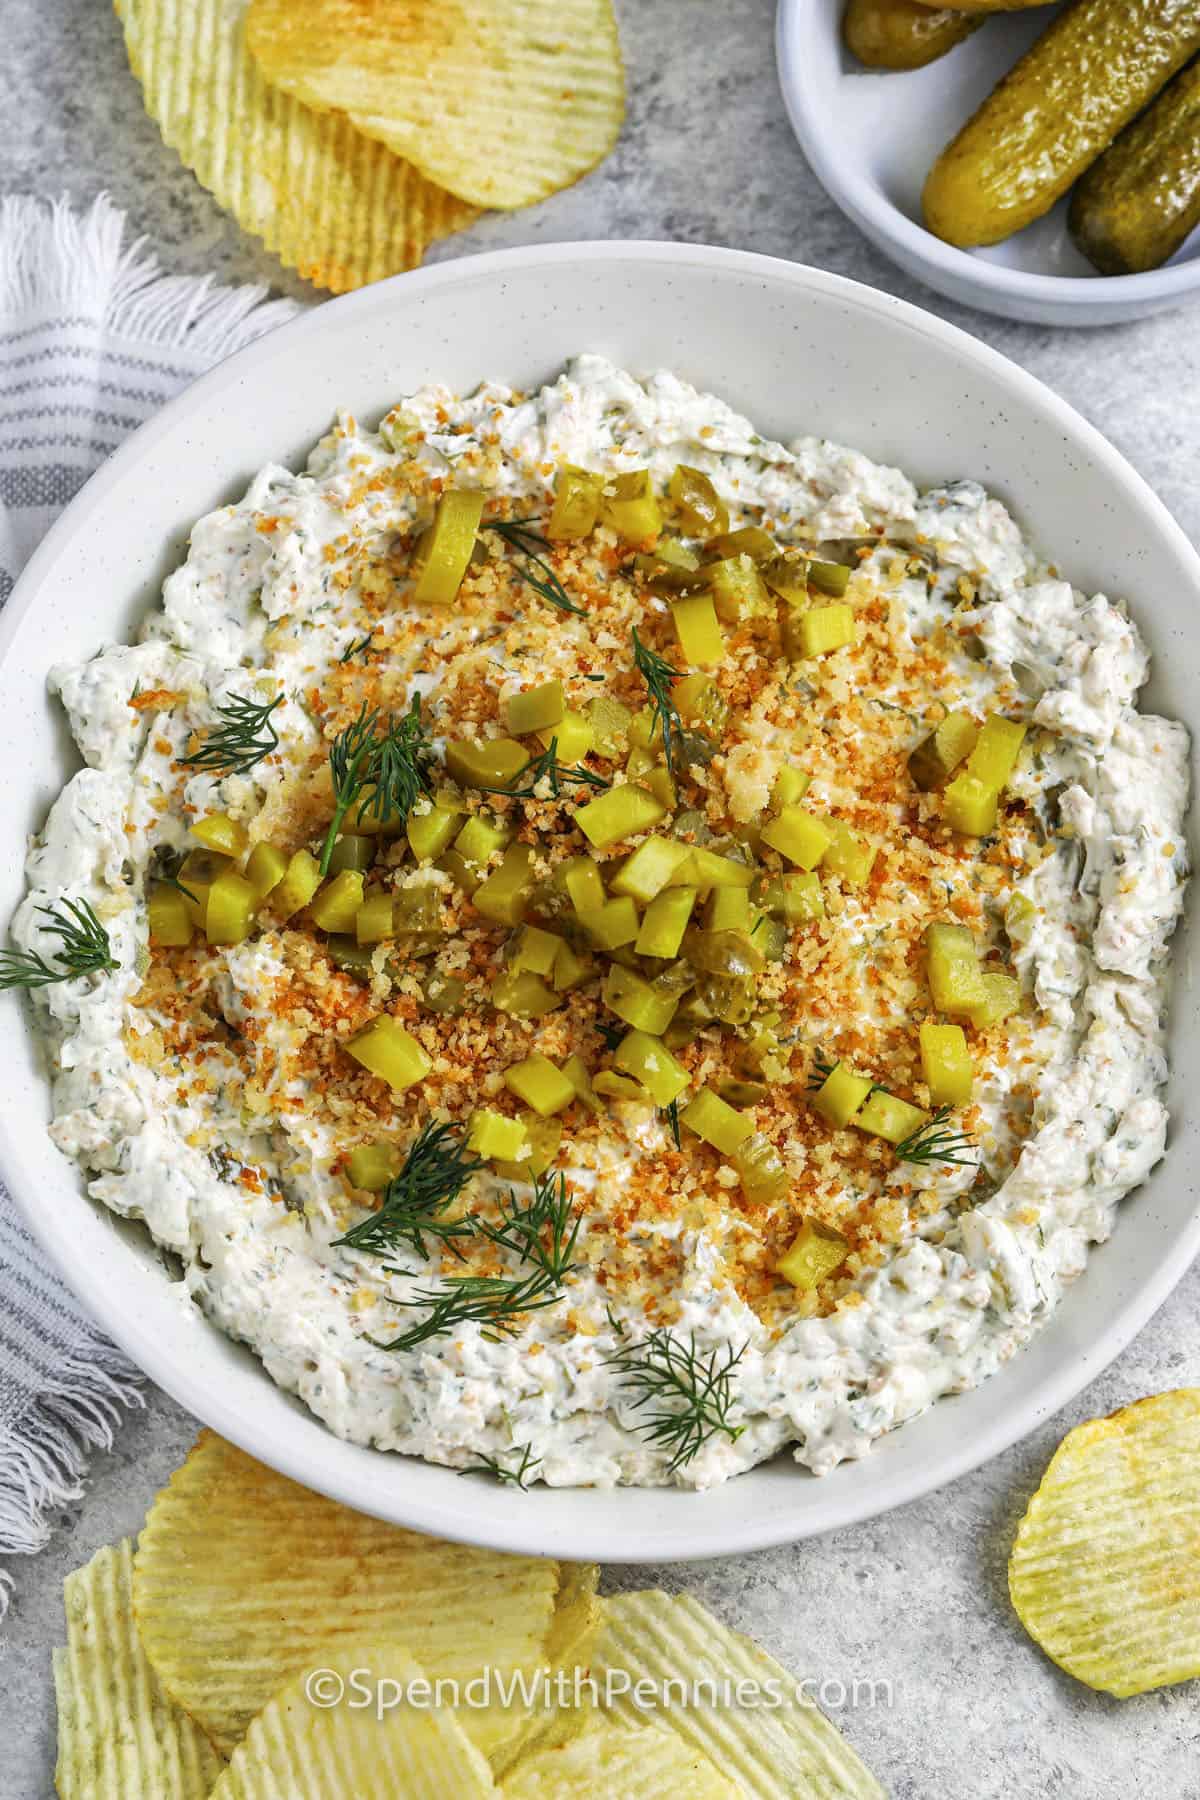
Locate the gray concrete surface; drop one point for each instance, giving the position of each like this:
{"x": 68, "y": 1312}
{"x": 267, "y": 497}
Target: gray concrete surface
{"x": 917, "y": 1599}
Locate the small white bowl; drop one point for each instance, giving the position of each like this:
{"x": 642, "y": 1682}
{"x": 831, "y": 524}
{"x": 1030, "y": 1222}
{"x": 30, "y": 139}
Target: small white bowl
{"x": 799, "y": 351}
{"x": 872, "y": 136}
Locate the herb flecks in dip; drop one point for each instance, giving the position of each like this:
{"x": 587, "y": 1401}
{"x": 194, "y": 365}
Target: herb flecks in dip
{"x": 635, "y": 946}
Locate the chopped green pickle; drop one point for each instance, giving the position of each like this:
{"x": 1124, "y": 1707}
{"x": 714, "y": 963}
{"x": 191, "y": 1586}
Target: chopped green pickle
{"x": 1001, "y": 998}
{"x": 630, "y": 506}
{"x": 539, "y": 1084}
{"x": 698, "y": 701}
{"x": 824, "y": 628}
{"x": 971, "y": 806}
{"x": 1019, "y": 917}
{"x": 491, "y": 1135}
{"x": 748, "y": 540}
{"x": 198, "y": 871}
{"x": 610, "y": 721}
{"x": 649, "y": 1061}
{"x": 372, "y": 1166}
{"x": 570, "y": 969}
{"x": 577, "y": 496}
{"x": 946, "y": 1063}
{"x": 504, "y": 894}
{"x": 803, "y": 900}
{"x": 620, "y": 813}
{"x": 375, "y": 920}
{"x": 829, "y": 578}
{"x": 446, "y": 994}
{"x": 221, "y": 833}
{"x": 633, "y": 999}
{"x": 536, "y": 950}
{"x": 715, "y": 1123}
{"x": 849, "y": 855}
{"x": 799, "y": 836}
{"x": 584, "y": 883}
{"x": 229, "y": 914}
{"x": 620, "y": 1087}
{"x": 265, "y": 869}
{"x": 728, "y": 909}
{"x": 571, "y": 737}
{"x": 352, "y": 851}
{"x": 523, "y": 995}
{"x": 698, "y": 629}
{"x": 737, "y": 590}
{"x": 335, "y": 907}
{"x": 431, "y": 832}
{"x": 445, "y": 549}
{"x": 543, "y": 1136}
{"x": 534, "y": 709}
{"x": 738, "y": 1092}
{"x": 760, "y": 1167}
{"x": 815, "y": 1252}
{"x": 664, "y": 922}
{"x": 649, "y": 869}
{"x": 575, "y": 1070}
{"x": 787, "y": 576}
{"x": 937, "y": 756}
{"x": 955, "y": 978}
{"x": 701, "y": 510}
{"x": 347, "y": 954}
{"x": 996, "y": 750}
{"x": 670, "y": 568}
{"x": 300, "y": 882}
{"x": 494, "y": 763}
{"x": 612, "y": 925}
{"x": 790, "y": 785}
{"x": 378, "y": 824}
{"x": 887, "y": 1116}
{"x": 170, "y": 917}
{"x": 705, "y": 869}
{"x": 390, "y": 1052}
{"x": 841, "y": 1094}
{"x": 480, "y": 839}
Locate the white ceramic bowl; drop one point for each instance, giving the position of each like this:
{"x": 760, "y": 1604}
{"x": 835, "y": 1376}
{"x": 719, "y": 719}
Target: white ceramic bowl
{"x": 872, "y": 138}
{"x": 799, "y": 351}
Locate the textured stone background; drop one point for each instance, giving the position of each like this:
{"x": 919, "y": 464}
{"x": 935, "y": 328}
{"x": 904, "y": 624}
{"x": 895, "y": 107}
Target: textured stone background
{"x": 917, "y": 1598}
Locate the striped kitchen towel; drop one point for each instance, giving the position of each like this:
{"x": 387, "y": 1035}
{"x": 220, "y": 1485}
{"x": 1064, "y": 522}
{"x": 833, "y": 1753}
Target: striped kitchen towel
{"x": 93, "y": 339}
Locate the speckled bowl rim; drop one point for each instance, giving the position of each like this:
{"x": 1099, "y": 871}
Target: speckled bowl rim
{"x": 119, "y": 1278}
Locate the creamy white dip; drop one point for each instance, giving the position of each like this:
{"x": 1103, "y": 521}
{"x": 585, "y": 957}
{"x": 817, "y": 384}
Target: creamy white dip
{"x": 966, "y": 1287}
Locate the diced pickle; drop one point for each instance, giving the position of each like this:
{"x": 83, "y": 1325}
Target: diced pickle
{"x": 938, "y": 755}
{"x": 418, "y": 909}
{"x": 534, "y": 709}
{"x": 352, "y": 851}
{"x": 787, "y": 576}
{"x": 610, "y": 722}
{"x": 803, "y": 900}
{"x": 582, "y": 879}
{"x": 737, "y": 590}
{"x": 523, "y": 995}
{"x": 829, "y": 578}
{"x": 665, "y": 922}
{"x": 620, "y": 813}
{"x": 701, "y": 510}
{"x": 887, "y": 1116}
{"x": 504, "y": 894}
{"x": 729, "y": 998}
{"x": 724, "y": 952}
{"x": 612, "y": 925}
{"x": 1019, "y": 917}
{"x": 445, "y": 994}
{"x": 571, "y": 737}
{"x": 736, "y": 1092}
{"x": 633, "y": 999}
{"x": 372, "y": 1166}
{"x": 570, "y": 969}
{"x": 376, "y": 820}
{"x": 649, "y": 1061}
{"x": 815, "y": 1252}
{"x": 699, "y": 701}
{"x": 445, "y": 549}
{"x": 198, "y": 871}
{"x": 221, "y": 833}
{"x": 536, "y": 950}
{"x": 841, "y": 1094}
{"x": 824, "y": 628}
{"x": 391, "y": 1052}
{"x": 265, "y": 869}
{"x": 494, "y": 763}
{"x": 761, "y": 1169}
{"x": 431, "y": 832}
{"x": 770, "y": 936}
{"x": 229, "y": 914}
{"x": 748, "y": 540}
{"x": 347, "y": 954}
{"x": 298, "y": 886}
{"x": 540, "y": 1085}
{"x": 662, "y": 787}
{"x": 491, "y": 1135}
{"x": 728, "y": 909}
{"x": 576, "y": 1073}
{"x": 170, "y": 917}
{"x": 698, "y": 629}
{"x": 717, "y": 1124}
{"x": 799, "y": 836}
{"x": 629, "y": 505}
{"x": 480, "y": 839}
{"x": 375, "y": 920}
{"x": 971, "y": 805}
{"x": 650, "y": 867}
{"x": 620, "y": 1087}
{"x": 543, "y": 1137}
{"x": 996, "y": 750}
{"x": 946, "y": 1063}
{"x": 789, "y": 787}
{"x": 577, "y": 496}
{"x": 849, "y": 855}
{"x": 955, "y": 978}
{"x": 670, "y": 568}
{"x": 708, "y": 869}
{"x": 335, "y": 908}
{"x": 1001, "y": 998}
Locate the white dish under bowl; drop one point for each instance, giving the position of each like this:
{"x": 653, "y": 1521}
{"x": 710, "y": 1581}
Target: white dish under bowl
{"x": 798, "y": 350}
{"x": 872, "y": 136}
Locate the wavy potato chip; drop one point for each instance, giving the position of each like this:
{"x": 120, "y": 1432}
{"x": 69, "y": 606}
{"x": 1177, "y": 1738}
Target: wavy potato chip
{"x": 577, "y": 1614}
{"x": 242, "y": 1578}
{"x": 118, "y": 1732}
{"x": 336, "y": 206}
{"x": 1105, "y": 1570}
{"x": 502, "y": 103}
{"x": 307, "y": 1751}
{"x": 773, "y": 1751}
{"x": 612, "y": 1760}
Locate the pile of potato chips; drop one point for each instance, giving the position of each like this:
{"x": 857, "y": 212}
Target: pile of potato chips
{"x": 350, "y": 134}
{"x": 256, "y": 1642}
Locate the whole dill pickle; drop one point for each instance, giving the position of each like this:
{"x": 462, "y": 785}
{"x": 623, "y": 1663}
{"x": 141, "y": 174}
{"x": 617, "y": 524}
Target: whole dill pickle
{"x": 902, "y": 34}
{"x": 1095, "y": 66}
{"x": 1134, "y": 207}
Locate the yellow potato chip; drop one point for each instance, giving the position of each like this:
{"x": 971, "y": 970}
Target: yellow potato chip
{"x": 502, "y": 103}
{"x": 384, "y": 1748}
{"x": 242, "y": 1579}
{"x": 568, "y": 1647}
{"x": 118, "y": 1733}
{"x": 774, "y": 1750}
{"x": 331, "y": 203}
{"x": 607, "y": 1759}
{"x": 1105, "y": 1570}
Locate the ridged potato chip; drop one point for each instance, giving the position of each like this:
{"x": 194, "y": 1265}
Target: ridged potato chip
{"x": 577, "y": 1614}
{"x": 612, "y": 1760}
{"x": 118, "y": 1733}
{"x": 775, "y": 1751}
{"x": 242, "y": 1578}
{"x": 1105, "y": 1570}
{"x": 336, "y": 206}
{"x": 308, "y": 1751}
{"x": 502, "y": 103}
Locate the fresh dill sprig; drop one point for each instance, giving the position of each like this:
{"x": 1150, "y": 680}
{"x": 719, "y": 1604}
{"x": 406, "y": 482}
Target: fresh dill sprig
{"x": 355, "y": 649}
{"x": 522, "y": 1227}
{"x": 671, "y": 1115}
{"x": 386, "y": 757}
{"x": 930, "y": 1143}
{"x": 535, "y": 571}
{"x": 547, "y": 766}
{"x": 610, "y": 1035}
{"x": 659, "y": 675}
{"x": 85, "y": 950}
{"x": 413, "y": 1207}
{"x": 689, "y": 1395}
{"x": 517, "y": 1477}
{"x": 241, "y": 741}
{"x": 819, "y": 1074}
